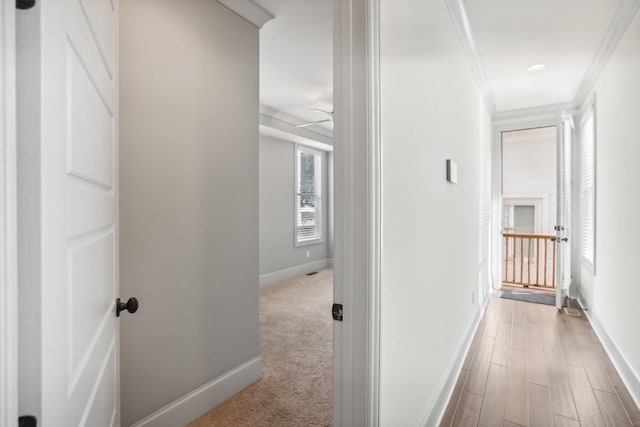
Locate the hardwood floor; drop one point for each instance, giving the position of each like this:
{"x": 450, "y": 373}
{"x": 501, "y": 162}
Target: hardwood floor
{"x": 529, "y": 365}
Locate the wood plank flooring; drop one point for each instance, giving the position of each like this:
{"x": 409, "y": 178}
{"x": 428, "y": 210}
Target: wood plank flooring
{"x": 529, "y": 365}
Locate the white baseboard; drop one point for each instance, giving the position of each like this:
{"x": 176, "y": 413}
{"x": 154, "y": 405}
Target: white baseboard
{"x": 582, "y": 302}
{"x": 628, "y": 375}
{"x": 205, "y": 398}
{"x": 433, "y": 415}
{"x": 298, "y": 270}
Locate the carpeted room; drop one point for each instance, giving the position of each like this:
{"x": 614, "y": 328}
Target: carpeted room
{"x": 297, "y": 349}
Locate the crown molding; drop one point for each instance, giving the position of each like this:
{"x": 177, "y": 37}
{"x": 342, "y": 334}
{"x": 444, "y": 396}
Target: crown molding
{"x": 617, "y": 29}
{"x": 294, "y": 139}
{"x": 620, "y": 22}
{"x": 461, "y": 21}
{"x": 278, "y": 124}
{"x": 541, "y": 113}
{"x": 248, "y": 10}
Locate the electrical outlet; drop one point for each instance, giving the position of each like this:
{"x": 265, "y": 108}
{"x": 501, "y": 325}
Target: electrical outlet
{"x": 308, "y": 254}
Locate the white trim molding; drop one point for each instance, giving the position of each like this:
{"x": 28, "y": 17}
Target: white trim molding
{"x": 298, "y": 270}
{"x": 517, "y": 122}
{"x": 434, "y": 413}
{"x": 543, "y": 112}
{"x": 461, "y": 22}
{"x": 617, "y": 28}
{"x": 201, "y": 400}
{"x": 357, "y": 213}
{"x": 629, "y": 376}
{"x": 279, "y": 120}
{"x": 375, "y": 214}
{"x": 8, "y": 210}
{"x": 318, "y": 238}
{"x": 294, "y": 139}
{"x": 249, "y": 10}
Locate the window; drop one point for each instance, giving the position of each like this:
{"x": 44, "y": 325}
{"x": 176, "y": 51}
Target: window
{"x": 587, "y": 186}
{"x": 519, "y": 219}
{"x": 524, "y": 219}
{"x": 308, "y": 221}
{"x": 524, "y": 215}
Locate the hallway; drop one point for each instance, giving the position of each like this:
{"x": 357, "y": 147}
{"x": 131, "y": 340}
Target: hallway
{"x": 530, "y": 366}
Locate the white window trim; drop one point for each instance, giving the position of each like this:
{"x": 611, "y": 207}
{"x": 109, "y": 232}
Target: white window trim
{"x": 319, "y": 240}
{"x": 8, "y": 220}
{"x": 588, "y": 110}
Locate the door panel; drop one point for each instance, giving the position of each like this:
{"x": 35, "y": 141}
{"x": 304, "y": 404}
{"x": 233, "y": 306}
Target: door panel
{"x": 104, "y": 398}
{"x": 79, "y": 213}
{"x": 563, "y": 272}
{"x": 94, "y": 210}
{"x": 91, "y": 295}
{"x": 102, "y": 23}
{"x": 82, "y": 386}
{"x": 91, "y": 127}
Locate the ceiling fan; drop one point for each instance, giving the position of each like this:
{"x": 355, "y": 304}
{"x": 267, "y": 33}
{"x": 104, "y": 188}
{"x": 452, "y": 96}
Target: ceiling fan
{"x": 329, "y": 118}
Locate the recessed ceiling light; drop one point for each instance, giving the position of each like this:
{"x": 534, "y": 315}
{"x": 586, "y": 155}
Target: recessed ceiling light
{"x": 536, "y": 67}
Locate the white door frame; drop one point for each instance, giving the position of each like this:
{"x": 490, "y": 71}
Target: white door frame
{"x": 8, "y": 209}
{"x": 358, "y": 221}
{"x": 523, "y": 120}
{"x": 357, "y": 211}
{"x": 564, "y": 249}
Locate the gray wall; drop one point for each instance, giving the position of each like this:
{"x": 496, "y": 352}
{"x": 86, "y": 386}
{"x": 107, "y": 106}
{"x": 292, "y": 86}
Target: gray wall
{"x": 277, "y": 204}
{"x": 189, "y": 198}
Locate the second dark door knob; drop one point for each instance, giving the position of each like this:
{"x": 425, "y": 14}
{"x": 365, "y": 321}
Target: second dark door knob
{"x": 131, "y": 306}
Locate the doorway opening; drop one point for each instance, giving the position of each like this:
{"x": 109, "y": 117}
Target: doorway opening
{"x": 295, "y": 223}
{"x": 536, "y": 205}
{"x": 529, "y": 206}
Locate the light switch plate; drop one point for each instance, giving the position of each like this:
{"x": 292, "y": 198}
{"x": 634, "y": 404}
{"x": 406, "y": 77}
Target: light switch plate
{"x": 452, "y": 171}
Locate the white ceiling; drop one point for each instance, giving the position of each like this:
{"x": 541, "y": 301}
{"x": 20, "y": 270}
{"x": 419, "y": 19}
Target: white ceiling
{"x": 511, "y": 35}
{"x": 296, "y": 58}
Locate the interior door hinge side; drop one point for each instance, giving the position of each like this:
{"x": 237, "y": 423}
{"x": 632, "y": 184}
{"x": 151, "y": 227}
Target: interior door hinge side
{"x": 336, "y": 312}
{"x": 27, "y": 421}
{"x": 25, "y": 4}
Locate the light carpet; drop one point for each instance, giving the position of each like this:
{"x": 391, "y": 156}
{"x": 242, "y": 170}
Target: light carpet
{"x": 297, "y": 350}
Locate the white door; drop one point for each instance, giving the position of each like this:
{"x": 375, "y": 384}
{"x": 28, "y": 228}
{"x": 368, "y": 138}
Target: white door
{"x": 563, "y": 227}
{"x": 79, "y": 202}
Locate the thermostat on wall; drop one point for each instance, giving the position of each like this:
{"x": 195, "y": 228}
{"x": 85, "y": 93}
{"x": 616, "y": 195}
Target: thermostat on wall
{"x": 452, "y": 171}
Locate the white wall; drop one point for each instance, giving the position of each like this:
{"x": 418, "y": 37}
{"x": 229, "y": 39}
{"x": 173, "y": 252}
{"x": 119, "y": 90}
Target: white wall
{"x": 614, "y": 292}
{"x": 189, "y": 200}
{"x": 431, "y": 111}
{"x": 277, "y": 204}
{"x": 529, "y": 170}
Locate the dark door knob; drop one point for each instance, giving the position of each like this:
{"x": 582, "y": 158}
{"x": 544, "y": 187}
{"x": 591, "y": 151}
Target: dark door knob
{"x": 131, "y": 306}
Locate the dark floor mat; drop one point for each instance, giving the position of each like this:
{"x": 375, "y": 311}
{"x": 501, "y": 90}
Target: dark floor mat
{"x": 529, "y": 297}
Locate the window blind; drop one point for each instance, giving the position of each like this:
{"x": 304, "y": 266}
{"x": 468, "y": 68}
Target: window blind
{"x": 481, "y": 232}
{"x": 587, "y": 185}
{"x": 308, "y": 197}
{"x": 567, "y": 136}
